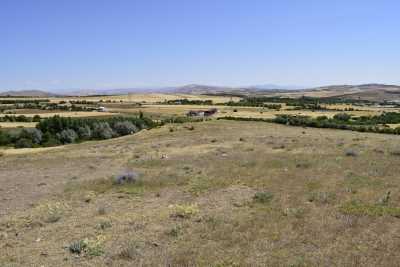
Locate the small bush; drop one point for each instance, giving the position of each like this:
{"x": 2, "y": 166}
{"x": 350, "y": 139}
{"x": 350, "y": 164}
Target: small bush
{"x": 104, "y": 225}
{"x": 102, "y": 130}
{"x": 32, "y": 134}
{"x": 395, "y": 152}
{"x": 67, "y": 136}
{"x": 125, "y": 128}
{"x": 4, "y": 138}
{"x": 384, "y": 200}
{"x": 321, "y": 197}
{"x": 263, "y": 197}
{"x": 101, "y": 210}
{"x": 174, "y": 231}
{"x": 129, "y": 251}
{"x": 84, "y": 132}
{"x": 127, "y": 178}
{"x": 342, "y": 117}
{"x": 351, "y": 153}
{"x": 24, "y": 143}
{"x": 77, "y": 247}
{"x": 185, "y": 211}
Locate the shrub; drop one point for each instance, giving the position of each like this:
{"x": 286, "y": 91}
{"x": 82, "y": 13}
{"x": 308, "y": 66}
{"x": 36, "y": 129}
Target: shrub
{"x": 127, "y": 178}
{"x": 4, "y": 138}
{"x": 67, "y": 136}
{"x": 50, "y": 140}
{"x": 85, "y": 132}
{"x": 104, "y": 225}
{"x": 185, "y": 211}
{"x": 102, "y": 130}
{"x": 102, "y": 210}
{"x": 351, "y": 153}
{"x": 342, "y": 117}
{"x": 24, "y": 143}
{"x": 384, "y": 200}
{"x": 321, "y": 197}
{"x": 77, "y": 247}
{"x": 263, "y": 197}
{"x": 129, "y": 251}
{"x": 125, "y": 128}
{"x": 33, "y": 134}
{"x": 36, "y": 118}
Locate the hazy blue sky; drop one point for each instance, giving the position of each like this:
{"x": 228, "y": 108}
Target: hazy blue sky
{"x": 62, "y": 44}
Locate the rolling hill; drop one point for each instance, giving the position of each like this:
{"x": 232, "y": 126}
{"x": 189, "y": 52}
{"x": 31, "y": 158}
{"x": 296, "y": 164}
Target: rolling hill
{"x": 27, "y": 93}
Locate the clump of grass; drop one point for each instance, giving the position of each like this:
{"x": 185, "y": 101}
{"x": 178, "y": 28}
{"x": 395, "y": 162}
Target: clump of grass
{"x": 53, "y": 212}
{"x": 384, "y": 200}
{"x": 263, "y": 197}
{"x": 90, "y": 248}
{"x": 185, "y": 211}
{"x": 104, "y": 225}
{"x": 358, "y": 208}
{"x": 175, "y": 231}
{"x": 395, "y": 152}
{"x": 198, "y": 185}
{"x": 321, "y": 197}
{"x": 77, "y": 247}
{"x": 102, "y": 210}
{"x": 129, "y": 251}
{"x": 294, "y": 212}
{"x": 303, "y": 165}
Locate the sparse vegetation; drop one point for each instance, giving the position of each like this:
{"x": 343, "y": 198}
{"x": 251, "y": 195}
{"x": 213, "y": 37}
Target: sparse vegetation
{"x": 263, "y": 197}
{"x": 185, "y": 211}
{"x": 260, "y": 205}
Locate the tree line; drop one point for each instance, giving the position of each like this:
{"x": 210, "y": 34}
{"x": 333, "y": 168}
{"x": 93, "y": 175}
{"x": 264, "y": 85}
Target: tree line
{"x": 61, "y": 130}
{"x": 343, "y": 121}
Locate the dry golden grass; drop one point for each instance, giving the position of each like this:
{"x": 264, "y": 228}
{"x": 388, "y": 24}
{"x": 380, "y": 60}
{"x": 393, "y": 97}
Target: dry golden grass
{"x": 17, "y": 124}
{"x": 140, "y": 97}
{"x": 72, "y": 114}
{"x": 194, "y": 204}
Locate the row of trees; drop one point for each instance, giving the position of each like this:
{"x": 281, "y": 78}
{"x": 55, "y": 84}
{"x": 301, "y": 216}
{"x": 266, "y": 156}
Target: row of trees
{"x": 186, "y": 101}
{"x": 303, "y": 102}
{"x": 58, "y": 130}
{"x": 20, "y": 118}
{"x": 343, "y": 121}
{"x": 23, "y": 101}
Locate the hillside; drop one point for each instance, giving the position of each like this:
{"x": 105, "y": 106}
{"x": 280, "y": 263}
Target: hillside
{"x": 372, "y": 92}
{"x": 222, "y": 194}
{"x": 27, "y": 93}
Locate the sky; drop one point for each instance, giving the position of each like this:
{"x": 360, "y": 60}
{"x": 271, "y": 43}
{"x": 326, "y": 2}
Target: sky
{"x": 88, "y": 44}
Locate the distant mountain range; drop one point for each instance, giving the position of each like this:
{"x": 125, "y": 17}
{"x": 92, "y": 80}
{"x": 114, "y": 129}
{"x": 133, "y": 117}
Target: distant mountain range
{"x": 27, "y": 93}
{"x": 377, "y": 92}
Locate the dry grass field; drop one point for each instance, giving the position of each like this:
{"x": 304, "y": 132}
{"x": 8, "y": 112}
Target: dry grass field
{"x": 17, "y": 124}
{"x": 251, "y": 112}
{"x": 72, "y": 114}
{"x": 223, "y": 193}
{"x": 145, "y": 97}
